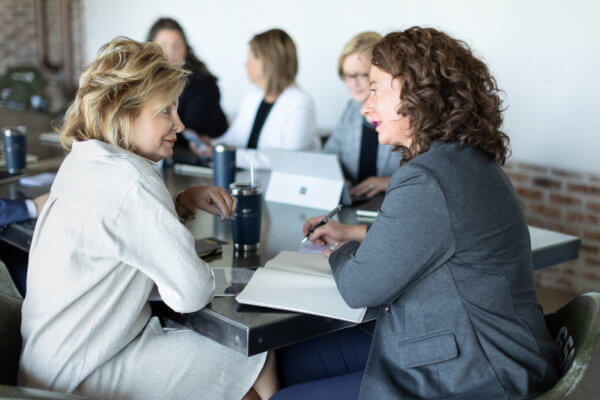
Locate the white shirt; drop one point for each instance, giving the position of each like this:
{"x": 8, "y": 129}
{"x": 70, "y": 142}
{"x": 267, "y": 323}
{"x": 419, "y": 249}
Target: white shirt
{"x": 106, "y": 236}
{"x": 291, "y": 123}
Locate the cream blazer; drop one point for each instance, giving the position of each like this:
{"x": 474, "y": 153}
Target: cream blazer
{"x": 291, "y": 123}
{"x": 106, "y": 236}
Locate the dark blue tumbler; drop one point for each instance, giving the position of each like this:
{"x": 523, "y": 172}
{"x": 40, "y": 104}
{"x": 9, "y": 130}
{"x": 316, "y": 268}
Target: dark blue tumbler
{"x": 245, "y": 228}
{"x": 13, "y": 140}
{"x": 224, "y": 165}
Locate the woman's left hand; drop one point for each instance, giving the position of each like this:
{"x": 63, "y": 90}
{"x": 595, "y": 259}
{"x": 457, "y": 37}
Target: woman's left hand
{"x": 334, "y": 246}
{"x": 371, "y": 186}
{"x": 212, "y": 199}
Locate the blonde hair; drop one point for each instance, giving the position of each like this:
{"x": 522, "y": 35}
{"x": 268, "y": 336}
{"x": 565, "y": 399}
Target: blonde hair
{"x": 113, "y": 88}
{"x": 277, "y": 51}
{"x": 362, "y": 43}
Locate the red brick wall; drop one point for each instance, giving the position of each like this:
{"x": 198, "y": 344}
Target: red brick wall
{"x": 564, "y": 201}
{"x": 17, "y": 34}
{"x": 19, "y": 40}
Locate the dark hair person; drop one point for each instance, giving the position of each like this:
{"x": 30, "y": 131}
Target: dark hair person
{"x": 199, "y": 104}
{"x": 448, "y": 259}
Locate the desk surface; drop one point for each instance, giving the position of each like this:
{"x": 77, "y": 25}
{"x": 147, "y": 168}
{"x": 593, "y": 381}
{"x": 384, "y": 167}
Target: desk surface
{"x": 251, "y": 330}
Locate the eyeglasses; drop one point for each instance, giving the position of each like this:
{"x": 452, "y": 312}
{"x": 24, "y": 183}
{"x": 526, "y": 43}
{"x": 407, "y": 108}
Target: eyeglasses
{"x": 355, "y": 77}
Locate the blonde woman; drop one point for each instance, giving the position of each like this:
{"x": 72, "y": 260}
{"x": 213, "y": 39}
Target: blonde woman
{"x": 279, "y": 114}
{"x": 366, "y": 163}
{"x": 109, "y": 234}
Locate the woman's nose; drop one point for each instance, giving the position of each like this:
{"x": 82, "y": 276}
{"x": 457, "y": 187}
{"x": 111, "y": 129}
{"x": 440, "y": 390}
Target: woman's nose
{"x": 366, "y": 108}
{"x": 178, "y": 126}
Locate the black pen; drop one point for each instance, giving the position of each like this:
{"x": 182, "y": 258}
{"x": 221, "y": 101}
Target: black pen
{"x": 325, "y": 219}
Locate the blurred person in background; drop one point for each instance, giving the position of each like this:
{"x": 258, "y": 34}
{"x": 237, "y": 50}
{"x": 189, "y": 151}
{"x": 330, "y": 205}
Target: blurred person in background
{"x": 279, "y": 114}
{"x": 199, "y": 104}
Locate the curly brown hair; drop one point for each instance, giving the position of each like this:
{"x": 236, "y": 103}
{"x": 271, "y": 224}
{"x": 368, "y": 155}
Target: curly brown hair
{"x": 447, "y": 92}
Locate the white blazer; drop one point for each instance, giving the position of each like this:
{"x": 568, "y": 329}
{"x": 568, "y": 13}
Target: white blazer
{"x": 106, "y": 236}
{"x": 291, "y": 124}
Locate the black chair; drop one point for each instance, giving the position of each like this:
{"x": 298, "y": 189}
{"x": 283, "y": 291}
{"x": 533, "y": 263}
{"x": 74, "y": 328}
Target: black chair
{"x": 576, "y": 327}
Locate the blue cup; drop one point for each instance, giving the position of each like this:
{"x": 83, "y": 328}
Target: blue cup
{"x": 224, "y": 165}
{"x": 245, "y": 228}
{"x": 15, "y": 148}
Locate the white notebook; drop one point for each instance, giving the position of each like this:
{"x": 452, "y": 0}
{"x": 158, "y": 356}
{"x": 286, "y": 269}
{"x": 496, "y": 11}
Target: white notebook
{"x": 299, "y": 282}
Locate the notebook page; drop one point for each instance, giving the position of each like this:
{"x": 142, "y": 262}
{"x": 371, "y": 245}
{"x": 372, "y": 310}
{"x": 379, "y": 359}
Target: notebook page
{"x": 309, "y": 294}
{"x": 304, "y": 263}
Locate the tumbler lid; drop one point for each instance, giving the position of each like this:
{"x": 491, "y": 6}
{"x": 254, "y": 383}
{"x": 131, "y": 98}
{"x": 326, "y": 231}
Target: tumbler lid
{"x": 14, "y": 130}
{"x": 244, "y": 189}
{"x": 221, "y": 147}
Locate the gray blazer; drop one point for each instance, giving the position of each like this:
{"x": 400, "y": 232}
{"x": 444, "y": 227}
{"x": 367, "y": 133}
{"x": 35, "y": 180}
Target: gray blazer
{"x": 448, "y": 263}
{"x": 345, "y": 143}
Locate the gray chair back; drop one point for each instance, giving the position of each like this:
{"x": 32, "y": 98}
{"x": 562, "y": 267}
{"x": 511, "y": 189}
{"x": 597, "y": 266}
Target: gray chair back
{"x": 10, "y": 338}
{"x": 7, "y": 286}
{"x": 576, "y": 329}
{"x": 18, "y": 393}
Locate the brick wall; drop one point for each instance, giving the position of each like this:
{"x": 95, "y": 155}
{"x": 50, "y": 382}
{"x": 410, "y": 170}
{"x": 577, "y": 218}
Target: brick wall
{"x": 19, "y": 41}
{"x": 568, "y": 202}
{"x": 17, "y": 34}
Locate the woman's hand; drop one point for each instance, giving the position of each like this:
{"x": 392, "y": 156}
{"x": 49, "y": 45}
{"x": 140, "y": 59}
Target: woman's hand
{"x": 206, "y": 151}
{"x": 40, "y": 201}
{"x": 328, "y": 252}
{"x": 212, "y": 199}
{"x": 371, "y": 186}
{"x": 333, "y": 232}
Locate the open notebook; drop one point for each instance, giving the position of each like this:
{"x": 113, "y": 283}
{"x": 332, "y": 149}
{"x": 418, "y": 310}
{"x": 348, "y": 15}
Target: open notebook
{"x": 298, "y": 282}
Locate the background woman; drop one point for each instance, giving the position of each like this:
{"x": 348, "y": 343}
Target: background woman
{"x": 448, "y": 259}
{"x": 280, "y": 114}
{"x": 199, "y": 104}
{"x": 110, "y": 233}
{"x": 366, "y": 163}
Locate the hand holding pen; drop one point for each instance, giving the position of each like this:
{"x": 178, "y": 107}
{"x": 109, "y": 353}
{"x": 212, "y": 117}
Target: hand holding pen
{"x": 314, "y": 223}
{"x": 332, "y": 233}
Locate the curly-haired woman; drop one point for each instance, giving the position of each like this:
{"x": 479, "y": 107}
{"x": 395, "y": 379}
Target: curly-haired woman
{"x": 448, "y": 259}
{"x": 109, "y": 234}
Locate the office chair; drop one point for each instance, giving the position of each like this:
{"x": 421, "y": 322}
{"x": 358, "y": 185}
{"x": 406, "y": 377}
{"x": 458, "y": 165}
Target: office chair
{"x": 10, "y": 349}
{"x": 576, "y": 328}
{"x": 7, "y": 286}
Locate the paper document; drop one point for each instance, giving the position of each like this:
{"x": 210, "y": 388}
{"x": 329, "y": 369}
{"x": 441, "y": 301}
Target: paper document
{"x": 299, "y": 282}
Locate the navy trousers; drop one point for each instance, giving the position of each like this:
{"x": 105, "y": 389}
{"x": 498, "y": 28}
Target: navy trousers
{"x": 328, "y": 367}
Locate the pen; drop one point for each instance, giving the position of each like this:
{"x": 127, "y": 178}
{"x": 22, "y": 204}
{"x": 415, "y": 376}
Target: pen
{"x": 325, "y": 219}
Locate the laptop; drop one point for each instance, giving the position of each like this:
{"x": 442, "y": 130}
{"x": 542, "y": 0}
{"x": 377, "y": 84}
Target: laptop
{"x": 303, "y": 178}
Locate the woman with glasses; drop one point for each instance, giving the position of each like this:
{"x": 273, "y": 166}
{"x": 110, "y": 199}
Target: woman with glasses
{"x": 366, "y": 163}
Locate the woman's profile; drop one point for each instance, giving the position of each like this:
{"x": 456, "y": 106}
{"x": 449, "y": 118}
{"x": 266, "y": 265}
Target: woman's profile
{"x": 110, "y": 234}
